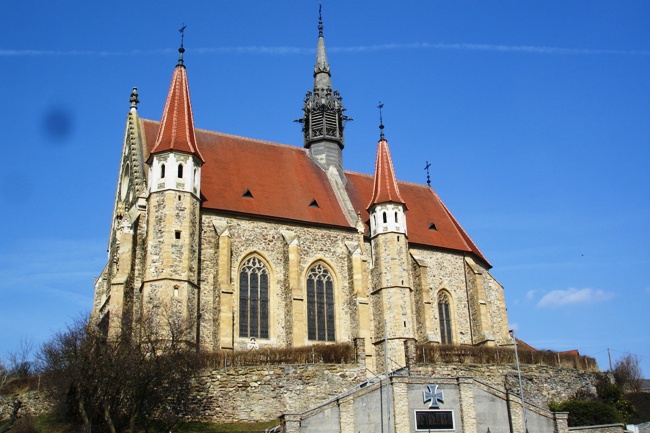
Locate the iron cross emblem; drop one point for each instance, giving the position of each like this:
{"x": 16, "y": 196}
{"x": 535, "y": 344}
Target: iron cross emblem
{"x": 432, "y": 395}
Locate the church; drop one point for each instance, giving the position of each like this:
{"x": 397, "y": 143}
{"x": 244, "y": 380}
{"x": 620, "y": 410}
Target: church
{"x": 261, "y": 244}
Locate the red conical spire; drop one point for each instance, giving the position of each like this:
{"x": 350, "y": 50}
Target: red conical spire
{"x": 385, "y": 189}
{"x": 177, "y": 124}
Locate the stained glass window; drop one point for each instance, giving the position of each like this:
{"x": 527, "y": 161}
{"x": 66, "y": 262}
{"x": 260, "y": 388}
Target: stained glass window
{"x": 444, "y": 313}
{"x": 320, "y": 304}
{"x": 254, "y": 299}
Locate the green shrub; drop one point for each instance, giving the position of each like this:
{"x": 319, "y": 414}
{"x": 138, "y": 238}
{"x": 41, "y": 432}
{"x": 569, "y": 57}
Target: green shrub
{"x": 588, "y": 412}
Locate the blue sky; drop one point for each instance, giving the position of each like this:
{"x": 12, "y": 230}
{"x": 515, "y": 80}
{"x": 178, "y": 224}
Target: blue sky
{"x": 534, "y": 115}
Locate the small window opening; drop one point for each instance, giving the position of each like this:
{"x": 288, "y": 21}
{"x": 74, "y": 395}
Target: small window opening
{"x": 196, "y": 176}
{"x": 247, "y": 194}
{"x": 396, "y": 217}
{"x": 314, "y": 203}
{"x": 397, "y": 238}
{"x": 405, "y": 323}
{"x": 432, "y": 226}
{"x": 385, "y": 219}
{"x": 162, "y": 171}
{"x": 177, "y": 234}
{"x": 175, "y": 291}
{"x": 179, "y": 197}
{"x": 180, "y": 171}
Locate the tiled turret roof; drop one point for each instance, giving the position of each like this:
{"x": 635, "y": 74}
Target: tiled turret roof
{"x": 177, "y": 125}
{"x": 385, "y": 188}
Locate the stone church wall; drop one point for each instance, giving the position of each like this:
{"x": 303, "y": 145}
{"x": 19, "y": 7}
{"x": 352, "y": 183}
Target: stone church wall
{"x": 267, "y": 240}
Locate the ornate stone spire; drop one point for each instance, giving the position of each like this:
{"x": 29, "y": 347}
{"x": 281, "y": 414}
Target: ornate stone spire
{"x": 134, "y": 100}
{"x": 323, "y": 119}
{"x": 177, "y": 125}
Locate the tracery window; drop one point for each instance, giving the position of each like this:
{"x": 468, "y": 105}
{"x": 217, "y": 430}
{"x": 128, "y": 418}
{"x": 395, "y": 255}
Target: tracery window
{"x": 320, "y": 304}
{"x": 444, "y": 314}
{"x": 254, "y": 299}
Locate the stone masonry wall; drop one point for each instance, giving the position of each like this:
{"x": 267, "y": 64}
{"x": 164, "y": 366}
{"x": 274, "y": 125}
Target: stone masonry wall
{"x": 262, "y": 393}
{"x": 541, "y": 383}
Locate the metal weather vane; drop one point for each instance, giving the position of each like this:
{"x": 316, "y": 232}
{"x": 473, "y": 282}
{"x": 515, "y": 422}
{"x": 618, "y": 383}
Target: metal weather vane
{"x": 181, "y": 50}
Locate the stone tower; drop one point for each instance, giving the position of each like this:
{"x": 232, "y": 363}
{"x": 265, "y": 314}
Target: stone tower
{"x": 170, "y": 286}
{"x": 391, "y": 296}
{"x": 323, "y": 119}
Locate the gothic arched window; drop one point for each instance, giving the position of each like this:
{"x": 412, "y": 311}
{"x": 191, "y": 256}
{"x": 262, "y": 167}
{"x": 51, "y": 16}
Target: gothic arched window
{"x": 444, "y": 314}
{"x": 180, "y": 171}
{"x": 162, "y": 171}
{"x": 320, "y": 304}
{"x": 254, "y": 299}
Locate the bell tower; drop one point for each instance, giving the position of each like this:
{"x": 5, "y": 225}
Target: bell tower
{"x": 170, "y": 286}
{"x": 323, "y": 114}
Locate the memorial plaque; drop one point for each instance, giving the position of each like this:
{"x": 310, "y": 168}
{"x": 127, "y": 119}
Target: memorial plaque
{"x": 434, "y": 420}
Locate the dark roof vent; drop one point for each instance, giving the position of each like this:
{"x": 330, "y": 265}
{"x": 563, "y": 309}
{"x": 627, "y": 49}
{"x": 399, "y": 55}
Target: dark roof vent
{"x": 247, "y": 194}
{"x": 314, "y": 203}
{"x": 432, "y": 226}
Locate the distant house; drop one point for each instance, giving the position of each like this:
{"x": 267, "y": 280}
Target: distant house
{"x": 645, "y": 385}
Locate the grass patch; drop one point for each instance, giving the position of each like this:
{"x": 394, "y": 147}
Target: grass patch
{"x": 55, "y": 424}
{"x": 205, "y": 427}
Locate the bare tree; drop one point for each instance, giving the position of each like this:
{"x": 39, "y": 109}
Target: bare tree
{"x": 17, "y": 365}
{"x": 627, "y": 373}
{"x": 122, "y": 381}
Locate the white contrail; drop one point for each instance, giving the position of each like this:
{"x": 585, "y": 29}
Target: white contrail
{"x": 286, "y": 50}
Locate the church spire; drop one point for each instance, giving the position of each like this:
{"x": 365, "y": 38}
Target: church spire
{"x": 176, "y": 131}
{"x": 324, "y": 118}
{"x": 322, "y": 76}
{"x": 385, "y": 189}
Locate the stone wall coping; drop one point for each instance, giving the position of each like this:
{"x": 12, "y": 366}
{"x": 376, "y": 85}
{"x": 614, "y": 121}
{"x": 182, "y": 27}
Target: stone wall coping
{"x": 596, "y": 427}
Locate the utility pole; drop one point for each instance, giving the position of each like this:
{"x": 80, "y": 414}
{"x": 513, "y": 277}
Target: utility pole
{"x": 521, "y": 387}
{"x": 609, "y": 355}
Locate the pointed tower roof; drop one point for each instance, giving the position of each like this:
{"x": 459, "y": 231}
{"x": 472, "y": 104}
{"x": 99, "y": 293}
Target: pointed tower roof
{"x": 385, "y": 187}
{"x": 177, "y": 125}
{"x": 322, "y": 76}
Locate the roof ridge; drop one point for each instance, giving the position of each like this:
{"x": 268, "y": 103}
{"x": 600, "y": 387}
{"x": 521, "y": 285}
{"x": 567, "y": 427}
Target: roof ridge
{"x": 225, "y": 134}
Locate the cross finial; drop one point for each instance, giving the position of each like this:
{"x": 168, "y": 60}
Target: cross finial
{"x": 320, "y": 20}
{"x": 426, "y": 167}
{"x": 134, "y": 99}
{"x": 381, "y": 121}
{"x": 181, "y": 50}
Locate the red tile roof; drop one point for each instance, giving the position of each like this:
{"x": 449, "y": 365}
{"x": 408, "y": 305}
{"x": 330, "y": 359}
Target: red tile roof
{"x": 385, "y": 187}
{"x": 283, "y": 181}
{"x": 177, "y": 131}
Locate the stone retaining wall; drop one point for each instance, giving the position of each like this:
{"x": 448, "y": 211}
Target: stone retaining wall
{"x": 541, "y": 383}
{"x": 607, "y": 428}
{"x": 264, "y": 392}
